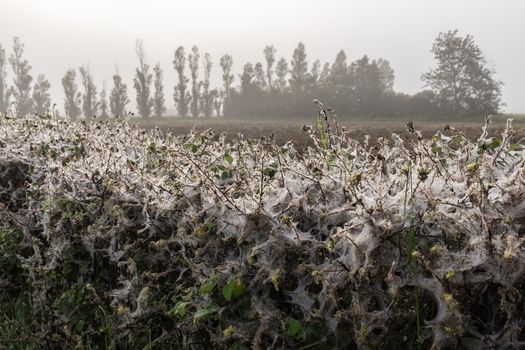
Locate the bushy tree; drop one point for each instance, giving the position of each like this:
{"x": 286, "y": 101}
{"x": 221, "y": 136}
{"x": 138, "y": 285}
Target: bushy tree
{"x": 89, "y": 97}
{"x": 4, "y": 91}
{"x": 194, "y": 70}
{"x": 41, "y": 96}
{"x": 21, "y": 89}
{"x": 72, "y": 99}
{"x": 281, "y": 72}
{"x": 158, "y": 97}
{"x": 142, "y": 82}
{"x": 227, "y": 76}
{"x": 260, "y": 76}
{"x": 181, "y": 95}
{"x": 387, "y": 74}
{"x": 119, "y": 97}
{"x": 269, "y": 56}
{"x": 207, "y": 98}
{"x": 247, "y": 79}
{"x": 462, "y": 83}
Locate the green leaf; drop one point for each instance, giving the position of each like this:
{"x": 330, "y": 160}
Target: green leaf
{"x": 269, "y": 171}
{"x": 456, "y": 140}
{"x": 191, "y": 146}
{"x": 207, "y": 287}
{"x": 202, "y": 314}
{"x": 227, "y": 292}
{"x": 152, "y": 147}
{"x": 233, "y": 289}
{"x": 294, "y": 330}
{"x": 225, "y": 175}
{"x": 436, "y": 149}
{"x": 179, "y": 309}
{"x": 496, "y": 142}
{"x": 228, "y": 158}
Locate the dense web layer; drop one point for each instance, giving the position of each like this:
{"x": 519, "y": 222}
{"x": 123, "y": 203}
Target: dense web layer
{"x": 133, "y": 238}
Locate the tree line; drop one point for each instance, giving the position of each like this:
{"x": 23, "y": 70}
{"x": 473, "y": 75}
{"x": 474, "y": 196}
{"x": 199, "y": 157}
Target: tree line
{"x": 459, "y": 85}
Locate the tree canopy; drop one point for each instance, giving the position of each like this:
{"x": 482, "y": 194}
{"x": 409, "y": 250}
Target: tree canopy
{"x": 462, "y": 83}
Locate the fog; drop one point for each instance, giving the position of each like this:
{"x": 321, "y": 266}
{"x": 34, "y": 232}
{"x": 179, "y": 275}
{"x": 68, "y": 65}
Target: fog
{"x": 62, "y": 34}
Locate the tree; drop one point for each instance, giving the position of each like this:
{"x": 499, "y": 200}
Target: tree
{"x": 387, "y": 74}
{"x": 247, "y": 79}
{"x": 119, "y": 97}
{"x": 89, "y": 97}
{"x": 41, "y": 96}
{"x": 4, "y": 92}
{"x": 72, "y": 99}
{"x": 366, "y": 86}
{"x": 142, "y": 82}
{"x": 227, "y": 76}
{"x": 22, "y": 79}
{"x": 299, "y": 69}
{"x": 315, "y": 74}
{"x": 103, "y": 103}
{"x": 194, "y": 70}
{"x": 281, "y": 71}
{"x": 461, "y": 82}
{"x": 269, "y": 56}
{"x": 158, "y": 97}
{"x": 207, "y": 98}
{"x": 338, "y": 77}
{"x": 181, "y": 96}
{"x": 325, "y": 73}
{"x": 260, "y": 79}
{"x": 217, "y": 100}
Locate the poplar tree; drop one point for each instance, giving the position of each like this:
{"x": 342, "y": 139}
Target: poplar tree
{"x": 72, "y": 99}
{"x": 21, "y": 89}
{"x": 158, "y": 97}
{"x": 299, "y": 69}
{"x": 4, "y": 91}
{"x": 227, "y": 76}
{"x": 207, "y": 98}
{"x": 118, "y": 98}
{"x": 269, "y": 56}
{"x": 181, "y": 95}
{"x": 89, "y": 97}
{"x": 103, "y": 103}
{"x": 194, "y": 70}
{"x": 41, "y": 96}
{"x": 142, "y": 82}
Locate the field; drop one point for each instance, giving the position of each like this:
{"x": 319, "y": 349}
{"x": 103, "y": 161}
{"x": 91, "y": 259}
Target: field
{"x": 291, "y": 129}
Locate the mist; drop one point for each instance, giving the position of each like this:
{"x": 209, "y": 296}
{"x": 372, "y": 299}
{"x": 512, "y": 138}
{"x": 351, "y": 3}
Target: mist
{"x": 59, "y": 35}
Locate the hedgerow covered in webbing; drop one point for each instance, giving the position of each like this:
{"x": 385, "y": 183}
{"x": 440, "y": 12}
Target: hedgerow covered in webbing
{"x": 115, "y": 237}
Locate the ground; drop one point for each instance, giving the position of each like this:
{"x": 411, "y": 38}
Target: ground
{"x": 291, "y": 129}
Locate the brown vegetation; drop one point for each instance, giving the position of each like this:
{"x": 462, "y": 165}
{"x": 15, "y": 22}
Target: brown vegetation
{"x": 291, "y": 129}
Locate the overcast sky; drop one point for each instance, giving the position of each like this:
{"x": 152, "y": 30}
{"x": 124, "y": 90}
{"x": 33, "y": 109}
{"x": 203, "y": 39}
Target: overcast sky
{"x": 61, "y": 34}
